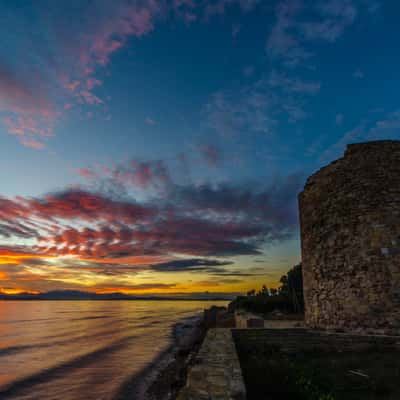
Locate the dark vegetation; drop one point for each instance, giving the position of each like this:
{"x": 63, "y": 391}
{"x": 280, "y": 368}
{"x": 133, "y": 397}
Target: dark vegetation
{"x": 270, "y": 373}
{"x": 287, "y": 298}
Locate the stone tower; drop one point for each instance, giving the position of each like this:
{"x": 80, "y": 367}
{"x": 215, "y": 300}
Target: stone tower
{"x": 350, "y": 240}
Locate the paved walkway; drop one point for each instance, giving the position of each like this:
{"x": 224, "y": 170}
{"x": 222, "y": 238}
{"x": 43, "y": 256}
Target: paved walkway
{"x": 216, "y": 373}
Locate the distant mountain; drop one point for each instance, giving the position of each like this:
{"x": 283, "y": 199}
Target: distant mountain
{"x": 80, "y": 295}
{"x": 66, "y": 295}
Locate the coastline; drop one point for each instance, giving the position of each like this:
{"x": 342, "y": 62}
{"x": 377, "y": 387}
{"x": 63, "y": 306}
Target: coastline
{"x": 166, "y": 374}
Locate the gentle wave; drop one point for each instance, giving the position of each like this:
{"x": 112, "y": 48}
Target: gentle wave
{"x": 16, "y": 349}
{"x": 88, "y": 350}
{"x": 77, "y": 362}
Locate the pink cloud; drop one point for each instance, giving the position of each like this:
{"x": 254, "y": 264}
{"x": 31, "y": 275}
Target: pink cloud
{"x": 33, "y": 110}
{"x": 112, "y": 34}
{"x": 145, "y": 174}
{"x": 24, "y": 125}
{"x": 92, "y": 83}
{"x": 195, "y": 220}
{"x": 72, "y": 86}
{"x": 86, "y": 173}
{"x": 31, "y": 129}
{"x": 102, "y": 38}
{"x": 83, "y": 205}
{"x": 32, "y": 143}
{"x": 89, "y": 98}
{"x": 132, "y": 174}
{"x": 18, "y": 97}
{"x": 29, "y": 113}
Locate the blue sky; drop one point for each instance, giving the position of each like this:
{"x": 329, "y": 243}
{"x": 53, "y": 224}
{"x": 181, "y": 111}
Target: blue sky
{"x": 213, "y": 111}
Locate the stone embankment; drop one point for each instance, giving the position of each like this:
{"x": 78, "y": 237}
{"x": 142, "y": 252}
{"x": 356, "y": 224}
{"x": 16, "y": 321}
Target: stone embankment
{"x": 216, "y": 373}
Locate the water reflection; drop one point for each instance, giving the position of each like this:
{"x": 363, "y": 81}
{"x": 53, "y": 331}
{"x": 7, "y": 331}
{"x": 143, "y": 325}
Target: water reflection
{"x": 81, "y": 349}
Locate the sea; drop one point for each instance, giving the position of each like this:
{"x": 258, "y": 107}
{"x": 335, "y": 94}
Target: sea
{"x": 72, "y": 350}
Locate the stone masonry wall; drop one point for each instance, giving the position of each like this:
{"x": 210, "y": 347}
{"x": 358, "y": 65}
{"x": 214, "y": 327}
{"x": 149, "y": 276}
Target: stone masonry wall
{"x": 350, "y": 239}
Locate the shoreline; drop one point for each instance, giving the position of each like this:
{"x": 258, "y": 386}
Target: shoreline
{"x": 166, "y": 374}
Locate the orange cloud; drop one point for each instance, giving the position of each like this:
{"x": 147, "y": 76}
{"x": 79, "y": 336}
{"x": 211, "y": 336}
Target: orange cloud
{"x": 17, "y": 255}
{"x": 17, "y": 291}
{"x": 14, "y": 260}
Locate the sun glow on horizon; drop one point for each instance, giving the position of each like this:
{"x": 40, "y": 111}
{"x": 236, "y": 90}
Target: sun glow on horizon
{"x": 11, "y": 291}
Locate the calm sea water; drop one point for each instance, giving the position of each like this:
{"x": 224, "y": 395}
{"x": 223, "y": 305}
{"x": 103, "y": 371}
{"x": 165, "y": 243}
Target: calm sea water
{"x": 75, "y": 350}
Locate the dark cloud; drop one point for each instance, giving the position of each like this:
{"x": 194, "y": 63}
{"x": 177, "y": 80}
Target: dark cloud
{"x": 274, "y": 205}
{"x": 229, "y": 281}
{"x": 233, "y": 273}
{"x": 193, "y": 264}
{"x": 72, "y": 204}
{"x": 200, "y": 236}
{"x": 17, "y": 230}
{"x": 11, "y": 210}
{"x": 15, "y": 250}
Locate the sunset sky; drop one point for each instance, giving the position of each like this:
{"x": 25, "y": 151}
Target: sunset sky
{"x": 154, "y": 146}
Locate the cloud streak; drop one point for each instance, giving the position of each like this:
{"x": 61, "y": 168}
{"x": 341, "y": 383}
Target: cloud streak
{"x": 205, "y": 220}
{"x": 299, "y": 23}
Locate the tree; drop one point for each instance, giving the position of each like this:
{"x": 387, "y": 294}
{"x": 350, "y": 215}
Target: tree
{"x": 287, "y": 298}
{"x": 264, "y": 291}
{"x": 292, "y": 287}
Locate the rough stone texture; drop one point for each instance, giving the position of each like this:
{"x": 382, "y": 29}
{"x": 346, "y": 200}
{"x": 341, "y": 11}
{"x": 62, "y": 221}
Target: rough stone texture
{"x": 216, "y": 373}
{"x": 350, "y": 239}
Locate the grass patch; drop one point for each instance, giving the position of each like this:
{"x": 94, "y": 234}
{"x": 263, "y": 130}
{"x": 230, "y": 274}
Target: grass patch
{"x": 270, "y": 373}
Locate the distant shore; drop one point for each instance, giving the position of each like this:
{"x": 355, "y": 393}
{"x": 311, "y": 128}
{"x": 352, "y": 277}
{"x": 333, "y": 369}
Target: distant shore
{"x": 122, "y": 299}
{"x": 81, "y": 295}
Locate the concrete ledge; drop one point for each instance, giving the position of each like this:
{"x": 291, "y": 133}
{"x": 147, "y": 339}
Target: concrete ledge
{"x": 216, "y": 373}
